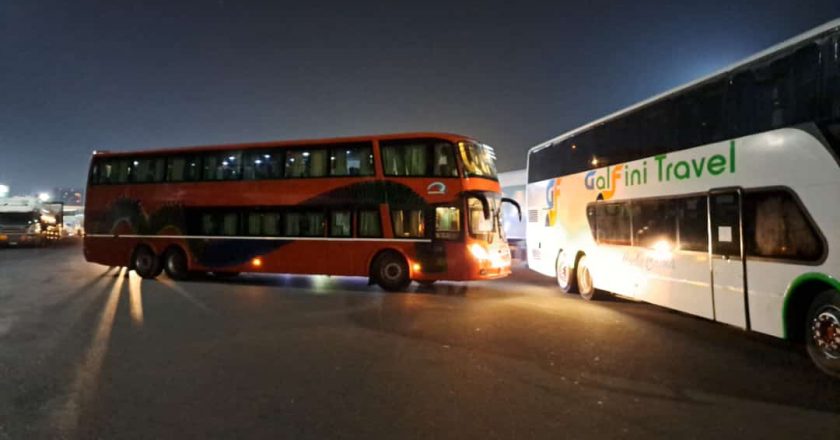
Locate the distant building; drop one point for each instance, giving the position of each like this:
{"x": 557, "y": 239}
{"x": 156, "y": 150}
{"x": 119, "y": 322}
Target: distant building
{"x": 70, "y": 196}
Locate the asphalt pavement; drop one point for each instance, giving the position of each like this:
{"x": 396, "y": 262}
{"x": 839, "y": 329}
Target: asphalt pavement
{"x": 87, "y": 351}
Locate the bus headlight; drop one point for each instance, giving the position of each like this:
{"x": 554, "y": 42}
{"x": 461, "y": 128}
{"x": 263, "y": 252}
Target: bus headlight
{"x": 478, "y": 252}
{"x": 34, "y": 229}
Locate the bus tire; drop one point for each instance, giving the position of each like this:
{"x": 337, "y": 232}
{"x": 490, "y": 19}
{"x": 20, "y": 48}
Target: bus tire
{"x": 822, "y": 330}
{"x": 390, "y": 272}
{"x": 145, "y": 263}
{"x": 586, "y": 287}
{"x": 565, "y": 274}
{"x": 175, "y": 264}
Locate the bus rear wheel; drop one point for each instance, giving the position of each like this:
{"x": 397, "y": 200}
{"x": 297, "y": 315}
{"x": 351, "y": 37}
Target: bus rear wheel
{"x": 145, "y": 263}
{"x": 823, "y": 332}
{"x": 586, "y": 288}
{"x": 390, "y": 272}
{"x": 566, "y": 276}
{"x": 175, "y": 264}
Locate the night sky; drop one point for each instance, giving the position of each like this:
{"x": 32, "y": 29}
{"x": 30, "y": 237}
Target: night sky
{"x": 82, "y": 75}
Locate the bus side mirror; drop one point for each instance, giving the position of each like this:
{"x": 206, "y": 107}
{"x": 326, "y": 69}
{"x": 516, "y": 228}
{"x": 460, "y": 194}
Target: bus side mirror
{"x": 515, "y": 205}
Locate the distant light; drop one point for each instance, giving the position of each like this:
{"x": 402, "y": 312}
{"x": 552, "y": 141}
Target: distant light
{"x": 266, "y": 156}
{"x": 257, "y": 161}
{"x": 44, "y": 197}
{"x": 225, "y": 163}
{"x": 594, "y": 161}
{"x": 4, "y": 190}
{"x": 305, "y": 154}
{"x": 232, "y": 158}
{"x": 574, "y": 147}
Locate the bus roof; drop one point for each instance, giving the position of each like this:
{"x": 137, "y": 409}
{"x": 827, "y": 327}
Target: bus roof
{"x": 284, "y": 143}
{"x": 832, "y": 25}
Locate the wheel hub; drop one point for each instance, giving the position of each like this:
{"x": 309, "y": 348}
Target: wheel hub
{"x": 392, "y": 271}
{"x": 825, "y": 331}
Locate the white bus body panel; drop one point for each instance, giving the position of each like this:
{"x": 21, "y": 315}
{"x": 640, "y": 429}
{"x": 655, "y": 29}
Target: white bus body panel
{"x": 557, "y": 219}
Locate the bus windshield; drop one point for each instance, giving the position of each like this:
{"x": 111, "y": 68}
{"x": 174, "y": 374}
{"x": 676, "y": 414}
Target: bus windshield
{"x": 480, "y": 227}
{"x": 479, "y": 160}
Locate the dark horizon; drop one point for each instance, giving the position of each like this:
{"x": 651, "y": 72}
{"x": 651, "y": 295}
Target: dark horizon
{"x": 98, "y": 76}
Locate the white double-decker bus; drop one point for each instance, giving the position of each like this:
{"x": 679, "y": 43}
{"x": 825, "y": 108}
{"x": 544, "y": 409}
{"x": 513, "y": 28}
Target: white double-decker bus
{"x": 719, "y": 198}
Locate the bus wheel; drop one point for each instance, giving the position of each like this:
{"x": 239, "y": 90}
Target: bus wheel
{"x": 566, "y": 278}
{"x": 584, "y": 280}
{"x": 390, "y": 271}
{"x": 175, "y": 264}
{"x": 823, "y": 330}
{"x": 145, "y": 263}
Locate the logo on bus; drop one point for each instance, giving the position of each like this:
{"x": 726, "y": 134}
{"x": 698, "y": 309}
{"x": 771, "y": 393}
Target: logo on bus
{"x": 436, "y": 188}
{"x": 552, "y": 195}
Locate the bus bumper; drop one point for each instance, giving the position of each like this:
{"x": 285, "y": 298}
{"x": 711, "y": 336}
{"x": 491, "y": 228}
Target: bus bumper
{"x": 16, "y": 239}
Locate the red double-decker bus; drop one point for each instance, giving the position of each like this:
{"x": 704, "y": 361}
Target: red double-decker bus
{"x": 394, "y": 208}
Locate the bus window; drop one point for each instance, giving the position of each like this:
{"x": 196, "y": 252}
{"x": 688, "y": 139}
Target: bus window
{"x": 145, "y": 170}
{"x": 693, "y": 224}
{"x": 479, "y": 159}
{"x": 447, "y": 222}
{"x": 222, "y": 165}
{"x": 213, "y": 224}
{"x": 304, "y": 224}
{"x": 405, "y": 159}
{"x": 351, "y": 161}
{"x": 444, "y": 160}
{"x": 306, "y": 163}
{"x": 775, "y": 226}
{"x": 369, "y": 225}
{"x": 612, "y": 223}
{"x": 340, "y": 224}
{"x": 262, "y": 164}
{"x": 654, "y": 223}
{"x": 263, "y": 223}
{"x": 479, "y": 225}
{"x": 115, "y": 171}
{"x": 408, "y": 223}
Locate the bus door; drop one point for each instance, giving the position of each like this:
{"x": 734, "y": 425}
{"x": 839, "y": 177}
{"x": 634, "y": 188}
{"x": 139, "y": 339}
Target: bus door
{"x": 728, "y": 266}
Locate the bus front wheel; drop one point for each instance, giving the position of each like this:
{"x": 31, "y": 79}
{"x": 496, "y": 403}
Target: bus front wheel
{"x": 566, "y": 278}
{"x": 823, "y": 330}
{"x": 585, "y": 286}
{"x": 145, "y": 263}
{"x": 175, "y": 264}
{"x": 390, "y": 272}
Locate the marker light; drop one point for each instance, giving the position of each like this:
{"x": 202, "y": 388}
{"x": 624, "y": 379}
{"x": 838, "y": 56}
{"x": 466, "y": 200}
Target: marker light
{"x": 416, "y": 267}
{"x": 256, "y": 262}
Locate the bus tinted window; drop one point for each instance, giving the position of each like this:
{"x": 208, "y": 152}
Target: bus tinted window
{"x": 222, "y": 165}
{"x": 263, "y": 224}
{"x": 405, "y": 159}
{"x": 262, "y": 164}
{"x": 214, "y": 224}
{"x": 655, "y": 223}
{"x": 145, "y": 170}
{"x": 693, "y": 224}
{"x": 304, "y": 224}
{"x": 114, "y": 171}
{"x": 369, "y": 225}
{"x": 408, "y": 223}
{"x": 443, "y": 160}
{"x": 306, "y": 163}
{"x": 351, "y": 161}
{"x": 612, "y": 223}
{"x": 447, "y": 222}
{"x": 341, "y": 224}
{"x": 183, "y": 169}
{"x": 776, "y": 226}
